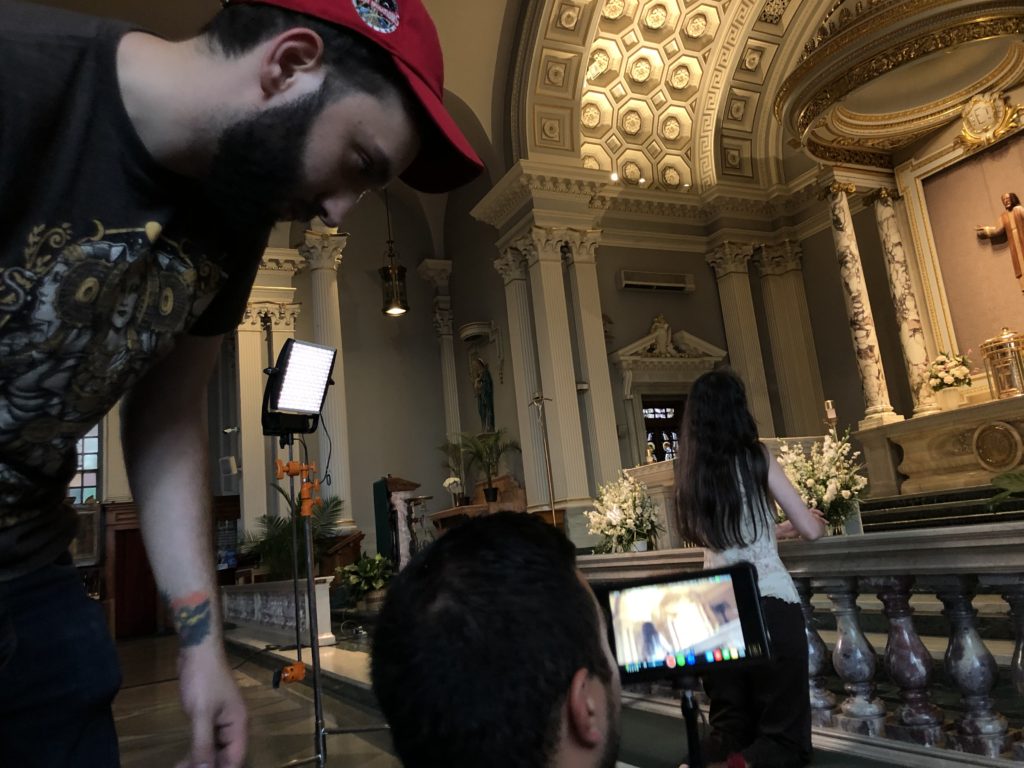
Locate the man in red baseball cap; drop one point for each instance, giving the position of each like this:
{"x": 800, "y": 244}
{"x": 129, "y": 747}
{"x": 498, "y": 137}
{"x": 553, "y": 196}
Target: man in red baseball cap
{"x": 139, "y": 180}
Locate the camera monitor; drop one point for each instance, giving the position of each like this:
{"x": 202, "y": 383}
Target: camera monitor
{"x": 686, "y": 624}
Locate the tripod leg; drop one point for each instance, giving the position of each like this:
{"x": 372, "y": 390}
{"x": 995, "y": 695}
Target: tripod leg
{"x": 688, "y": 704}
{"x": 320, "y": 741}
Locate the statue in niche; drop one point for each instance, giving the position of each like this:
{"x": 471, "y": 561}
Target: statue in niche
{"x": 1011, "y": 227}
{"x": 483, "y": 387}
{"x": 662, "y": 346}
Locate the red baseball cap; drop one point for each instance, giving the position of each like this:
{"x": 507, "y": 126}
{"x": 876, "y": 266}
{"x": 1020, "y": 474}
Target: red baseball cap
{"x": 404, "y": 29}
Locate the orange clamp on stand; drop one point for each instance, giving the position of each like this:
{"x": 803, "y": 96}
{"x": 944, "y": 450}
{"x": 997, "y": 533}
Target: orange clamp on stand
{"x": 292, "y": 673}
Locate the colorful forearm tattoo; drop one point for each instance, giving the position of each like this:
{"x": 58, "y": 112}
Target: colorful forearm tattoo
{"x": 191, "y": 615}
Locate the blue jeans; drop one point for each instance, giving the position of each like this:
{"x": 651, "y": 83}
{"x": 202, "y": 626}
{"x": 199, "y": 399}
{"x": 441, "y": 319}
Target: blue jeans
{"x": 59, "y": 673}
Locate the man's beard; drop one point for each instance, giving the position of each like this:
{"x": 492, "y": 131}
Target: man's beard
{"x": 258, "y": 167}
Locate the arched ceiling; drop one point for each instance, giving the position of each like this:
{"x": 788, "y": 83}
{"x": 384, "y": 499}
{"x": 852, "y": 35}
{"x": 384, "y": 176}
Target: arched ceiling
{"x": 683, "y": 96}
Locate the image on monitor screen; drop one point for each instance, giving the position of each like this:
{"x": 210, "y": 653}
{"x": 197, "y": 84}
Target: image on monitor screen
{"x": 677, "y": 624}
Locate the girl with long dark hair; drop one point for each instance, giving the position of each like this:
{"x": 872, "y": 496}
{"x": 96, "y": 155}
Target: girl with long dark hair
{"x": 726, "y": 489}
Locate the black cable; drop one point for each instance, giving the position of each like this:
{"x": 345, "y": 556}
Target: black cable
{"x": 330, "y": 450}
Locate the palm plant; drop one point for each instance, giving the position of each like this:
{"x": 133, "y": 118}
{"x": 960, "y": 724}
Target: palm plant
{"x": 486, "y": 450}
{"x": 273, "y": 541}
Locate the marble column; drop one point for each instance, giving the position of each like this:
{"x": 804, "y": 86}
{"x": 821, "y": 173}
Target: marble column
{"x": 791, "y": 338}
{"x": 511, "y": 265}
{"x": 279, "y": 320}
{"x": 323, "y": 253}
{"x": 730, "y": 260}
{"x": 877, "y": 409}
{"x": 915, "y": 354}
{"x": 438, "y": 272}
{"x": 557, "y": 372}
{"x": 252, "y": 455}
{"x": 606, "y": 461}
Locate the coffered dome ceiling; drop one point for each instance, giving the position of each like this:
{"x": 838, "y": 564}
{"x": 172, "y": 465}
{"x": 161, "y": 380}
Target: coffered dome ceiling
{"x": 680, "y": 96}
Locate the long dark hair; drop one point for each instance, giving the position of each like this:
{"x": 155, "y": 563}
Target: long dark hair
{"x": 720, "y": 461}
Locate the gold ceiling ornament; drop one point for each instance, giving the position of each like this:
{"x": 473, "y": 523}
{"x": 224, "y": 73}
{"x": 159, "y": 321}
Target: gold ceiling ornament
{"x": 833, "y": 189}
{"x": 987, "y": 118}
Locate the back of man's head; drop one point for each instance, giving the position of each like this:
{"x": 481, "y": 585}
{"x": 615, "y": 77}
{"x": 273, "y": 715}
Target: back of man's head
{"x": 478, "y": 642}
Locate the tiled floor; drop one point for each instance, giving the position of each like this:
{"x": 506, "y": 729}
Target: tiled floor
{"x": 154, "y": 733}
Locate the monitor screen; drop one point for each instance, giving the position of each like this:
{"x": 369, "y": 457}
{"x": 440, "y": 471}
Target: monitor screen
{"x": 687, "y": 622}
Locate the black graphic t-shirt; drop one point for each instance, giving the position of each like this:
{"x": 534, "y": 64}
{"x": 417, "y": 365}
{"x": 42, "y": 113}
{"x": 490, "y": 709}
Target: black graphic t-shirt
{"x": 105, "y": 258}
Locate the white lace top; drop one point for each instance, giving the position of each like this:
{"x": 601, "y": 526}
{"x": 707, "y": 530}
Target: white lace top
{"x": 772, "y": 577}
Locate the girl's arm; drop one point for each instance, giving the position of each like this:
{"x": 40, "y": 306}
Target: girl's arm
{"x": 809, "y": 523}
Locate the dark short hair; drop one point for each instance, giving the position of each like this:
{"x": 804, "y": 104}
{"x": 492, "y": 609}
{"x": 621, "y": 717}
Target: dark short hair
{"x": 478, "y": 641}
{"x": 354, "y": 61}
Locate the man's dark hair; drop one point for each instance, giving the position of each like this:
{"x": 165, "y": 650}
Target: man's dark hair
{"x": 477, "y": 644}
{"x": 355, "y": 62}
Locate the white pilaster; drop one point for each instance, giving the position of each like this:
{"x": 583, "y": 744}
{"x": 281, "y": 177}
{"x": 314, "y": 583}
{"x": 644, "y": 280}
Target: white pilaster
{"x": 791, "y": 338}
{"x": 915, "y": 353}
{"x": 511, "y": 265}
{"x": 600, "y": 409}
{"x": 877, "y": 410}
{"x": 729, "y": 260}
{"x": 439, "y": 272}
{"x": 557, "y": 372}
{"x": 323, "y": 253}
{"x": 252, "y": 444}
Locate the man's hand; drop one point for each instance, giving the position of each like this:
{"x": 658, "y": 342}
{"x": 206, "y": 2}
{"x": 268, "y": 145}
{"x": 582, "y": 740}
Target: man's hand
{"x": 214, "y": 705}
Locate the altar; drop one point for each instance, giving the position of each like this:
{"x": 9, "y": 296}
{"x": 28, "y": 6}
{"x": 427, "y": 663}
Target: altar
{"x": 942, "y": 451}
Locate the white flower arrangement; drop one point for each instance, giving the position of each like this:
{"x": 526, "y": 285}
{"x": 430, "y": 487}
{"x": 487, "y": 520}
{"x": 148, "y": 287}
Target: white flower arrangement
{"x": 949, "y": 370}
{"x": 625, "y": 514}
{"x": 827, "y": 476}
{"x": 453, "y": 485}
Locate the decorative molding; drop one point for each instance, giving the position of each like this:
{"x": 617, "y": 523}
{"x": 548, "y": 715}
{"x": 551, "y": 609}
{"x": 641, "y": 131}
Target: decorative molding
{"x": 730, "y": 258}
{"x": 641, "y": 363}
{"x": 281, "y": 260}
{"x": 443, "y": 316}
{"x": 948, "y": 33}
{"x": 986, "y": 119}
{"x": 324, "y": 250}
{"x": 779, "y": 258}
{"x": 511, "y": 265}
{"x": 438, "y": 272}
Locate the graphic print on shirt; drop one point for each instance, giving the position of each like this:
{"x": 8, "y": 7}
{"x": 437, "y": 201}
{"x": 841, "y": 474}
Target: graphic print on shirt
{"x": 80, "y": 321}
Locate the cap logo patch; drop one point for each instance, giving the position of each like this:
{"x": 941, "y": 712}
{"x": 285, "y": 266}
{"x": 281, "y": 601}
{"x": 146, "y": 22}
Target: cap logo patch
{"x": 379, "y": 15}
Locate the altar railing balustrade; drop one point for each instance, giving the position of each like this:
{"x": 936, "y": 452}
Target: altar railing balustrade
{"x": 953, "y": 564}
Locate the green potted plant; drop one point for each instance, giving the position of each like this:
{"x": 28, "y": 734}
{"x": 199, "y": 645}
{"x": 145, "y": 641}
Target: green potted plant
{"x": 485, "y": 452}
{"x": 366, "y": 580}
{"x": 272, "y": 543}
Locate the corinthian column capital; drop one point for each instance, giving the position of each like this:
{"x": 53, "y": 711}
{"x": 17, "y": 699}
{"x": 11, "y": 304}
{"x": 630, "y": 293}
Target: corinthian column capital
{"x": 729, "y": 258}
{"x": 324, "y": 250}
{"x": 438, "y": 272}
{"x": 780, "y": 258}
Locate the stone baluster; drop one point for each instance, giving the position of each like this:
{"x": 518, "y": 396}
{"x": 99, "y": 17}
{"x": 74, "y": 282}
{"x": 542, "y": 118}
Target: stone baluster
{"x": 909, "y": 665}
{"x": 969, "y": 664}
{"x": 823, "y": 702}
{"x": 1014, "y": 596}
{"x": 853, "y": 658}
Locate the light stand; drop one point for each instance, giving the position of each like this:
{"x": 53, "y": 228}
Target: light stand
{"x": 292, "y": 401}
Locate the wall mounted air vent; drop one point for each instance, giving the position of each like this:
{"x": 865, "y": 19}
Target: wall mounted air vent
{"x": 681, "y": 282}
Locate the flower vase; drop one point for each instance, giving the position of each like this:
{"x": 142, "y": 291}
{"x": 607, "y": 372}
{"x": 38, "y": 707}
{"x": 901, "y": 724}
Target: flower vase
{"x": 948, "y": 398}
{"x": 640, "y": 545}
{"x": 854, "y": 525}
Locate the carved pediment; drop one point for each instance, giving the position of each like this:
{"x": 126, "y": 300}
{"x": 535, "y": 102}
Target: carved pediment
{"x": 663, "y": 357}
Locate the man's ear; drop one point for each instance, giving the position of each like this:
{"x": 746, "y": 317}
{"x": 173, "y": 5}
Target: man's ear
{"x": 584, "y": 705}
{"x": 289, "y": 56}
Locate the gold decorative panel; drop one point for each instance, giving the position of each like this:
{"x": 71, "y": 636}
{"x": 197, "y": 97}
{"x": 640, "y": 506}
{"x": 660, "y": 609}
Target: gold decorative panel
{"x": 644, "y": 72}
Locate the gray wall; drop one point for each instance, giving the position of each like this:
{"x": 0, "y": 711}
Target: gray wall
{"x": 631, "y": 312}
